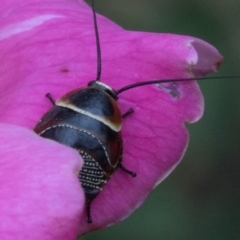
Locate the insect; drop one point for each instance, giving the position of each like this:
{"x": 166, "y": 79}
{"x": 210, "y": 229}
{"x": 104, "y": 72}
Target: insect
{"x": 89, "y": 120}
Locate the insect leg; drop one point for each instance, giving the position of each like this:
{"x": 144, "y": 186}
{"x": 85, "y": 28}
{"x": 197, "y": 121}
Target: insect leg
{"x": 133, "y": 174}
{"x": 48, "y": 95}
{"x": 88, "y": 208}
{"x": 130, "y": 110}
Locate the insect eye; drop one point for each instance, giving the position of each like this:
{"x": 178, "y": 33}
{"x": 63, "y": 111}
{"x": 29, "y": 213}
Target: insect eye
{"x": 112, "y": 93}
{"x": 91, "y": 83}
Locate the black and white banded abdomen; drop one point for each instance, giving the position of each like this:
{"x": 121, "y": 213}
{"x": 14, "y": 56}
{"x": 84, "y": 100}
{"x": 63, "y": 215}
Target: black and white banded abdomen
{"x": 92, "y": 177}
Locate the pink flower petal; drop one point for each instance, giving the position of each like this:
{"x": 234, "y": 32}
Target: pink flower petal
{"x": 41, "y": 197}
{"x": 50, "y": 47}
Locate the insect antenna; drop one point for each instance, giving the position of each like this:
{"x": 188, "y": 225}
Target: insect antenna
{"x": 99, "y": 60}
{"x": 144, "y": 83}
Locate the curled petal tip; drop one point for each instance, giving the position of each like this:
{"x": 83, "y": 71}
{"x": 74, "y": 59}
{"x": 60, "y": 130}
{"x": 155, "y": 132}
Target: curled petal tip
{"x": 208, "y": 58}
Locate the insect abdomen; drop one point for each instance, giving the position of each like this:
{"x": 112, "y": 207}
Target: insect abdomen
{"x": 92, "y": 177}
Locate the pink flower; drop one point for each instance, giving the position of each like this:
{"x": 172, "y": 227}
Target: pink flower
{"x": 50, "y": 47}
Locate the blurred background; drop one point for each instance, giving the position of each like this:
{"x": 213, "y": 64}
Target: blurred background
{"x": 200, "y": 200}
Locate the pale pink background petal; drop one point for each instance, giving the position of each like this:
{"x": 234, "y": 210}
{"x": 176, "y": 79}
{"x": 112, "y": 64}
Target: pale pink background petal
{"x": 54, "y": 51}
{"x": 41, "y": 197}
